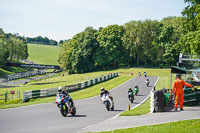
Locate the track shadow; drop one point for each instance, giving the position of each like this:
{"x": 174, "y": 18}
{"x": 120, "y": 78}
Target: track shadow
{"x": 77, "y": 116}
{"x": 150, "y": 86}
{"x": 118, "y": 110}
{"x": 135, "y": 103}
{"x": 139, "y": 95}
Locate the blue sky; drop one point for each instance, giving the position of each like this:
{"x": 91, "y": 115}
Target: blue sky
{"x": 62, "y": 19}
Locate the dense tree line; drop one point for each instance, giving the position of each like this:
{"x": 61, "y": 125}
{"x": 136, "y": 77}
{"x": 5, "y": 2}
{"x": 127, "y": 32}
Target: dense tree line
{"x": 136, "y": 43}
{"x": 41, "y": 40}
{"x": 13, "y": 48}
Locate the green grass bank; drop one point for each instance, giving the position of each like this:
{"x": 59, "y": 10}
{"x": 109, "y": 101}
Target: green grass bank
{"x": 43, "y": 54}
{"x": 187, "y": 126}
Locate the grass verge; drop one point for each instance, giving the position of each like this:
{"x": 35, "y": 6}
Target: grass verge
{"x": 186, "y": 126}
{"x": 142, "y": 109}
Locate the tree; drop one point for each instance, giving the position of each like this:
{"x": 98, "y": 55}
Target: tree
{"x": 190, "y": 43}
{"x": 78, "y": 53}
{"x": 138, "y": 39}
{"x": 111, "y": 52}
{"x": 13, "y": 48}
{"x": 192, "y": 13}
{"x": 190, "y": 40}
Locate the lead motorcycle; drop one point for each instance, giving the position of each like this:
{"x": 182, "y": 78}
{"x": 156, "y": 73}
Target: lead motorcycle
{"x": 65, "y": 106}
{"x": 107, "y": 102}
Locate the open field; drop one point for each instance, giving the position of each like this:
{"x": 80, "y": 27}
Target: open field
{"x": 187, "y": 126}
{"x": 43, "y": 54}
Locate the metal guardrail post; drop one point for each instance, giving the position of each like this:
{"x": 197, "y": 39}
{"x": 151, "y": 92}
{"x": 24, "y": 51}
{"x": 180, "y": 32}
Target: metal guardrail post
{"x": 6, "y": 96}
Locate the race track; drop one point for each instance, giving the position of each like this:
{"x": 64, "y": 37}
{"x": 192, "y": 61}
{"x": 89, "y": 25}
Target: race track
{"x": 46, "y": 118}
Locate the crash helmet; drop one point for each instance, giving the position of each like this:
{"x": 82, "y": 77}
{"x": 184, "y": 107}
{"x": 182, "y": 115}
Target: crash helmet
{"x": 129, "y": 88}
{"x": 102, "y": 88}
{"x": 60, "y": 89}
{"x": 136, "y": 85}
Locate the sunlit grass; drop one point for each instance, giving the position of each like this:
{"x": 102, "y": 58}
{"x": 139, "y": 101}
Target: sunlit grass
{"x": 43, "y": 54}
{"x": 187, "y": 126}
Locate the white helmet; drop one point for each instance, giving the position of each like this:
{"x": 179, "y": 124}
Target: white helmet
{"x": 102, "y": 88}
{"x": 60, "y": 88}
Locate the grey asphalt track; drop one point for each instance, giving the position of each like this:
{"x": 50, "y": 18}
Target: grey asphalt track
{"x": 46, "y": 118}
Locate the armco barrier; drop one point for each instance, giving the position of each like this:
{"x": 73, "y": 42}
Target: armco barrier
{"x": 53, "y": 91}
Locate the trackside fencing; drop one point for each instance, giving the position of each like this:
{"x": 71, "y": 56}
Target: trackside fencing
{"x": 70, "y": 88}
{"x": 10, "y": 95}
{"x": 15, "y": 76}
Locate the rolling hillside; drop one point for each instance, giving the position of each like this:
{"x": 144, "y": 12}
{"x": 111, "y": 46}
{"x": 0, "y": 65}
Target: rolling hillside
{"x": 43, "y": 54}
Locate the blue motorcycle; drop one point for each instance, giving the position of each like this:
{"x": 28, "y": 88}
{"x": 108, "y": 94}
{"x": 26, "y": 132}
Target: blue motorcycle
{"x": 65, "y": 106}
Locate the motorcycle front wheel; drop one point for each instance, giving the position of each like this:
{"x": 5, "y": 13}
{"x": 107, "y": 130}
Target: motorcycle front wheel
{"x": 107, "y": 104}
{"x": 63, "y": 111}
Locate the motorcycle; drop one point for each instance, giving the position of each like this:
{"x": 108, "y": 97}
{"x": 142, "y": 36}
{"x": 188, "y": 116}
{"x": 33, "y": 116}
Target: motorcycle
{"x": 107, "y": 102}
{"x": 145, "y": 74}
{"x": 136, "y": 90}
{"x": 131, "y": 96}
{"x": 147, "y": 82}
{"x": 65, "y": 107}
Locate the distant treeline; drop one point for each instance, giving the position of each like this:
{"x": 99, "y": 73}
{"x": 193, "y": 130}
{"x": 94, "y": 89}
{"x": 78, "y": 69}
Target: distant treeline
{"x": 41, "y": 40}
{"x": 136, "y": 43}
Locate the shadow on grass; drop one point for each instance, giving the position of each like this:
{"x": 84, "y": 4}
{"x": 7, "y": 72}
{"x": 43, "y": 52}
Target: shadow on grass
{"x": 46, "y": 83}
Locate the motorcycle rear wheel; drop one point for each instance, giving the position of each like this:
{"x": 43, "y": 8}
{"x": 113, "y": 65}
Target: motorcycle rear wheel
{"x": 73, "y": 111}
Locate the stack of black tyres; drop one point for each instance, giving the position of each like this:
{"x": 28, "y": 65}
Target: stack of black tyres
{"x": 159, "y": 99}
{"x": 191, "y": 97}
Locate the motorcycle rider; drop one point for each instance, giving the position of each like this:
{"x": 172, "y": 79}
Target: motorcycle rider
{"x": 136, "y": 86}
{"x": 139, "y": 74}
{"x": 136, "y": 89}
{"x": 104, "y": 91}
{"x": 145, "y": 74}
{"x": 130, "y": 90}
{"x": 147, "y": 80}
{"x": 67, "y": 97}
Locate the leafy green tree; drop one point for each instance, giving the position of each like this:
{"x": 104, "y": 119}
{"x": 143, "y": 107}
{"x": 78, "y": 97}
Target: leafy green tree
{"x": 192, "y": 13}
{"x": 190, "y": 40}
{"x": 111, "y": 52}
{"x": 13, "y": 48}
{"x": 191, "y": 43}
{"x": 77, "y": 54}
{"x": 138, "y": 39}
{"x": 3, "y": 48}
